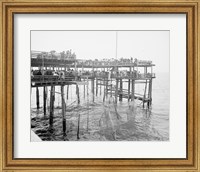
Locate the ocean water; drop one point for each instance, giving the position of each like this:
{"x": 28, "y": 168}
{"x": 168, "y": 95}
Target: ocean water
{"x": 104, "y": 121}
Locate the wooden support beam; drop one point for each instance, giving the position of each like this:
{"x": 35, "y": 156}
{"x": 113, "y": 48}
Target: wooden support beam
{"x": 67, "y": 92}
{"x": 44, "y": 100}
{"x": 77, "y": 93}
{"x": 106, "y": 87}
{"x": 104, "y": 95}
{"x": 78, "y": 128}
{"x": 145, "y": 89}
{"x": 37, "y": 98}
{"x": 100, "y": 86}
{"x": 129, "y": 87}
{"x": 121, "y": 88}
{"x": 76, "y": 76}
{"x": 52, "y": 99}
{"x": 133, "y": 90}
{"x": 63, "y": 110}
{"x": 150, "y": 91}
{"x": 96, "y": 86}
{"x": 129, "y": 84}
{"x": 116, "y": 91}
{"x": 84, "y": 88}
{"x": 92, "y": 83}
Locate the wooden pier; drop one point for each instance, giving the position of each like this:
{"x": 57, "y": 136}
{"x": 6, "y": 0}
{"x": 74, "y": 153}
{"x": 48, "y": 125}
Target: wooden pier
{"x": 107, "y": 78}
{"x": 110, "y": 78}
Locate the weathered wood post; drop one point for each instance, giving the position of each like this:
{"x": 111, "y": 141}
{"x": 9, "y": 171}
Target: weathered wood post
{"x": 149, "y": 93}
{"x": 44, "y": 100}
{"x": 148, "y": 101}
{"x": 96, "y": 86}
{"x": 133, "y": 90}
{"x": 87, "y": 88}
{"x": 67, "y": 92}
{"x": 116, "y": 91}
{"x": 129, "y": 84}
{"x": 121, "y": 90}
{"x": 84, "y": 88}
{"x": 100, "y": 86}
{"x": 77, "y": 93}
{"x": 110, "y": 85}
{"x": 63, "y": 110}
{"x": 37, "y": 98}
{"x": 144, "y": 97}
{"x": 104, "y": 90}
{"x": 78, "y": 126}
{"x": 93, "y": 92}
{"x": 92, "y": 80}
{"x": 52, "y": 99}
{"x": 87, "y": 106}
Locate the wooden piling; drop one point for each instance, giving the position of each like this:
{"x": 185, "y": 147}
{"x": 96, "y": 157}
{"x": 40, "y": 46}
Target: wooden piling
{"x": 133, "y": 90}
{"x": 87, "y": 88}
{"x": 145, "y": 89}
{"x": 121, "y": 88}
{"x": 37, "y": 98}
{"x": 150, "y": 93}
{"x": 77, "y": 93}
{"x": 100, "y": 87}
{"x": 67, "y": 92}
{"x": 106, "y": 88}
{"x": 87, "y": 106}
{"x": 52, "y": 99}
{"x": 63, "y": 109}
{"x": 104, "y": 91}
{"x": 111, "y": 87}
{"x": 116, "y": 91}
{"x": 129, "y": 85}
{"x": 44, "y": 100}
{"x": 78, "y": 126}
{"x": 92, "y": 83}
{"x": 92, "y": 89}
{"x": 96, "y": 86}
{"x": 84, "y": 88}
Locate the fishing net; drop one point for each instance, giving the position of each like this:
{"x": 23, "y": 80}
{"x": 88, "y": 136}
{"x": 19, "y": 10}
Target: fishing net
{"x": 112, "y": 123}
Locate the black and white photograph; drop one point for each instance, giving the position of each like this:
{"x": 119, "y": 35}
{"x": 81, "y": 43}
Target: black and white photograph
{"x": 100, "y": 85}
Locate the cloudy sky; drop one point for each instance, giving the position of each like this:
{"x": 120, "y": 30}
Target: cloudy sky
{"x": 144, "y": 45}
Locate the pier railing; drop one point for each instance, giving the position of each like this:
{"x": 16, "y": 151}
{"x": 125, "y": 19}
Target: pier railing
{"x": 127, "y": 75}
{"x": 50, "y": 79}
{"x": 35, "y": 62}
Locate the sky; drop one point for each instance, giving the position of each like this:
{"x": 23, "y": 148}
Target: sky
{"x": 143, "y": 45}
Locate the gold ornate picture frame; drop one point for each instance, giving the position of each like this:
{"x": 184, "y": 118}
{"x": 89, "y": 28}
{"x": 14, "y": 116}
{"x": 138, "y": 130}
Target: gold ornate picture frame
{"x": 11, "y": 7}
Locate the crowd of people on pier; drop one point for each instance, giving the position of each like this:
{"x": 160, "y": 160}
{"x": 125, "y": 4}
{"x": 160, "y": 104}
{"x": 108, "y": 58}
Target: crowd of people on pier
{"x": 69, "y": 55}
{"x": 71, "y": 73}
{"x": 59, "y": 74}
{"x": 64, "y": 55}
{"x": 122, "y": 74}
{"x": 113, "y": 62}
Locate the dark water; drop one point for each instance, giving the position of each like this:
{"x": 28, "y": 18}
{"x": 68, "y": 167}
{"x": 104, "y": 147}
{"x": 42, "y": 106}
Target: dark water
{"x": 101, "y": 121}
